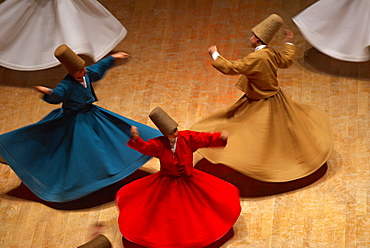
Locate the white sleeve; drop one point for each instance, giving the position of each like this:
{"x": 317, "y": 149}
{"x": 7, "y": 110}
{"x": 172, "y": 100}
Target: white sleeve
{"x": 215, "y": 55}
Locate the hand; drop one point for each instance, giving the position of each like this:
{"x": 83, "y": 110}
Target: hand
{"x": 134, "y": 132}
{"x": 121, "y": 55}
{"x": 43, "y": 90}
{"x": 224, "y": 135}
{"x": 288, "y": 35}
{"x": 212, "y": 49}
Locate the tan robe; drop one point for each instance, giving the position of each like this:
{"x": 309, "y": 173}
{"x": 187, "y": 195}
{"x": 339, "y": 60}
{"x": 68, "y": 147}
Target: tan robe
{"x": 272, "y": 138}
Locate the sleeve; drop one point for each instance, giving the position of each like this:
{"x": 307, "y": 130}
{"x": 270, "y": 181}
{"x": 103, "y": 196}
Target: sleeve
{"x": 97, "y": 71}
{"x": 215, "y": 55}
{"x": 286, "y": 57}
{"x": 242, "y": 66}
{"x": 59, "y": 93}
{"x": 149, "y": 148}
{"x": 203, "y": 139}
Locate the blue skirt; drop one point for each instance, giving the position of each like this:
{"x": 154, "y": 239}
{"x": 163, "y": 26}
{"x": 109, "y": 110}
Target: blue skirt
{"x": 65, "y": 157}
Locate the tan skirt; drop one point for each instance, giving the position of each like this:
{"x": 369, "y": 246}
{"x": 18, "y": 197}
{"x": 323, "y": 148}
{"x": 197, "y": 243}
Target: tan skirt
{"x": 273, "y": 139}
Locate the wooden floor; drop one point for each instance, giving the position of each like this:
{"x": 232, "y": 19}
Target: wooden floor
{"x": 168, "y": 41}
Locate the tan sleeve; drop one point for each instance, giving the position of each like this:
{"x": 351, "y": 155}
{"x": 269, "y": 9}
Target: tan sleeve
{"x": 287, "y": 56}
{"x": 241, "y": 66}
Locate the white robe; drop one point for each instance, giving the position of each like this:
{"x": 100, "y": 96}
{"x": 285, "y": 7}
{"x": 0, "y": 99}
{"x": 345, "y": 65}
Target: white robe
{"x": 32, "y": 29}
{"x": 338, "y": 28}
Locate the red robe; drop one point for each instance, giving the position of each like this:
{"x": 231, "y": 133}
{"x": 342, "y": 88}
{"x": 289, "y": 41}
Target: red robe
{"x": 179, "y": 206}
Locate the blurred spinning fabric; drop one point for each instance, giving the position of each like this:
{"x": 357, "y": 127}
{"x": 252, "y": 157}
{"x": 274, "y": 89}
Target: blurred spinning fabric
{"x": 273, "y": 139}
{"x": 338, "y": 28}
{"x": 31, "y": 30}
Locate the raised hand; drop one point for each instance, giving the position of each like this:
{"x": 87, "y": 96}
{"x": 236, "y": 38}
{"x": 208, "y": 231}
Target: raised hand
{"x": 134, "y": 132}
{"x": 212, "y": 49}
{"x": 289, "y": 35}
{"x": 43, "y": 90}
{"x": 121, "y": 55}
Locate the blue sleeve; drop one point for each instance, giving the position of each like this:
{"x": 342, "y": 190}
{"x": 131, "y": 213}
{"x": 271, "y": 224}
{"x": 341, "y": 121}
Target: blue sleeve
{"x": 97, "y": 71}
{"x": 59, "y": 93}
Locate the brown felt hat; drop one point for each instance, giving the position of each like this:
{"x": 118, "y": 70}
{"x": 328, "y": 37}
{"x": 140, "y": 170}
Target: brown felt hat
{"x": 163, "y": 121}
{"x": 69, "y": 59}
{"x": 99, "y": 242}
{"x": 266, "y": 30}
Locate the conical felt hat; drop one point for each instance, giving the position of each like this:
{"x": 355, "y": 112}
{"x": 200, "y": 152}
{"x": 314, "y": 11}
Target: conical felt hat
{"x": 266, "y": 30}
{"x": 99, "y": 242}
{"x": 163, "y": 121}
{"x": 69, "y": 59}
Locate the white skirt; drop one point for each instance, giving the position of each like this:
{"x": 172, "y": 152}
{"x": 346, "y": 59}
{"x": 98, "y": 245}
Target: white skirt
{"x": 31, "y": 30}
{"x": 338, "y": 28}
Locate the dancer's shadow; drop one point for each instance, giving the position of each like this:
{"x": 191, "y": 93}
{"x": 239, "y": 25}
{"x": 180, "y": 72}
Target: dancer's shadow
{"x": 314, "y": 59}
{"x": 250, "y": 187}
{"x": 217, "y": 244}
{"x": 97, "y": 198}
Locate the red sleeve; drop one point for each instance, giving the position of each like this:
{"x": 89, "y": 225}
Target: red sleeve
{"x": 203, "y": 139}
{"x": 149, "y": 148}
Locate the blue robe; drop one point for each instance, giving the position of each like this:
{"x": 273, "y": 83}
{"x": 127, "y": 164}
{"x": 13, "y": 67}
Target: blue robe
{"x": 77, "y": 149}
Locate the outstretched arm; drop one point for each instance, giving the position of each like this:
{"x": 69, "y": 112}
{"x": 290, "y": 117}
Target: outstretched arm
{"x": 43, "y": 90}
{"x": 54, "y": 96}
{"x": 48, "y": 91}
{"x": 286, "y": 58}
{"x": 98, "y": 70}
{"x": 225, "y": 66}
{"x": 205, "y": 139}
{"x": 149, "y": 148}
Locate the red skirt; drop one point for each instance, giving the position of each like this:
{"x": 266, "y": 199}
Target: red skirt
{"x": 182, "y": 212}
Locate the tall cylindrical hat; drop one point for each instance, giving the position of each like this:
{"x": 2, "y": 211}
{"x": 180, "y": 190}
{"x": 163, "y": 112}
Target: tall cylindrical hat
{"x": 163, "y": 121}
{"x": 69, "y": 59}
{"x": 266, "y": 30}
